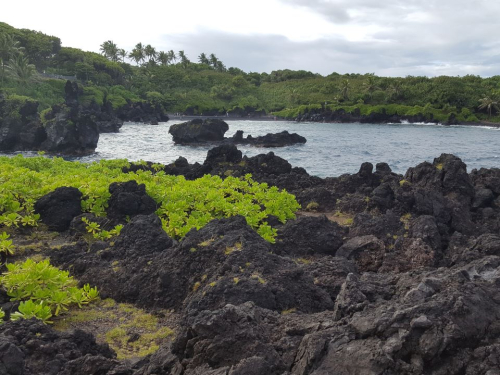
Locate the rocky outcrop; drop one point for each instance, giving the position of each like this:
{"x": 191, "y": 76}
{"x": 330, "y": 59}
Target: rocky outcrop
{"x": 200, "y": 131}
{"x": 64, "y": 129}
{"x": 69, "y": 132}
{"x": 104, "y": 116}
{"x": 269, "y": 140}
{"x": 145, "y": 112}
{"x": 20, "y": 125}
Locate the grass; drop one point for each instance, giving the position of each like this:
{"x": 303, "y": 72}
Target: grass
{"x": 131, "y": 332}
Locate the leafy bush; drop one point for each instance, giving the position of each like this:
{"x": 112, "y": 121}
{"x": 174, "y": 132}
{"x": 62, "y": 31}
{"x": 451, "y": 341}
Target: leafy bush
{"x": 183, "y": 204}
{"x": 43, "y": 289}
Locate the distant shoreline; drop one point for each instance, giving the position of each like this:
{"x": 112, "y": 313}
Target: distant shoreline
{"x": 278, "y": 119}
{"x": 226, "y": 118}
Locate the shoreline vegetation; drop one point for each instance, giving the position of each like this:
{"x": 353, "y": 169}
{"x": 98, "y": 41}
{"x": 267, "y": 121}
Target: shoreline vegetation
{"x": 36, "y": 66}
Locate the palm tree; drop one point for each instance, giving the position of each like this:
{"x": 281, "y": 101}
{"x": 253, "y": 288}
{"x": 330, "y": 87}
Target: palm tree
{"x": 21, "y": 70}
{"x": 163, "y": 58}
{"x": 203, "y": 59}
{"x": 110, "y": 50}
{"x": 345, "y": 87}
{"x": 171, "y": 56}
{"x": 150, "y": 52}
{"x": 137, "y": 53}
{"x": 371, "y": 84}
{"x": 220, "y": 66}
{"x": 489, "y": 104}
{"x": 9, "y": 48}
{"x": 184, "y": 60}
{"x": 122, "y": 53}
{"x": 213, "y": 60}
{"x": 396, "y": 88}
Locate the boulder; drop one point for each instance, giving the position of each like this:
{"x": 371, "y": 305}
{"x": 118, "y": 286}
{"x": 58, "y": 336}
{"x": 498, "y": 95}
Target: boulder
{"x": 129, "y": 199}
{"x": 223, "y": 154}
{"x": 199, "y": 131}
{"x": 58, "y": 208}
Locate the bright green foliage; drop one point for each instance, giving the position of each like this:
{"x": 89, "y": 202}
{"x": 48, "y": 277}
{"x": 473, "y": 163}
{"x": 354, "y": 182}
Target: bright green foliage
{"x": 101, "y": 234}
{"x": 183, "y": 204}
{"x": 2, "y": 315}
{"x": 30, "y": 309}
{"x": 6, "y": 244}
{"x": 45, "y": 290}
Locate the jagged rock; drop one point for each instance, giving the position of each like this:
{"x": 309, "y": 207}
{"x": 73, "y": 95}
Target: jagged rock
{"x": 309, "y": 235}
{"x": 31, "y": 347}
{"x": 231, "y": 336}
{"x": 59, "y": 207}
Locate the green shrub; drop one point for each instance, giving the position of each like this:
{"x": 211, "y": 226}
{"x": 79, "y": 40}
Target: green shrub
{"x": 183, "y": 204}
{"x": 43, "y": 289}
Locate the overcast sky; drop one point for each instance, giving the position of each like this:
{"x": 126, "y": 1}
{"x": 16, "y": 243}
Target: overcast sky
{"x": 386, "y": 37}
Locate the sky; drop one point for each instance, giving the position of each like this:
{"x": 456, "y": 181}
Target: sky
{"x": 385, "y": 37}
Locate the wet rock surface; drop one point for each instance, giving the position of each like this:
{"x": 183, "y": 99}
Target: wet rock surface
{"x": 386, "y": 274}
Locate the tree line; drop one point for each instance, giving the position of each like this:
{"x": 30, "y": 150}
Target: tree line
{"x": 148, "y": 55}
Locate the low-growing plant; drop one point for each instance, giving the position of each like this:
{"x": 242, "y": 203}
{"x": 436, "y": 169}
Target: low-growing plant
{"x": 312, "y": 206}
{"x": 101, "y": 234}
{"x": 6, "y": 245}
{"x": 30, "y": 309}
{"x": 43, "y": 289}
{"x": 183, "y": 204}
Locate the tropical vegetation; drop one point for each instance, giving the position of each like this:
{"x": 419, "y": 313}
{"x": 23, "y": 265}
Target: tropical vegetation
{"x": 35, "y": 65}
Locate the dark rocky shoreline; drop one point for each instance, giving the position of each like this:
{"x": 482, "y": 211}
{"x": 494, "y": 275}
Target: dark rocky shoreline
{"x": 341, "y": 116}
{"x": 408, "y": 284}
{"x": 69, "y": 129}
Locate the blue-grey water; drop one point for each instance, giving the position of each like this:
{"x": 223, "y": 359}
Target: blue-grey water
{"x": 331, "y": 149}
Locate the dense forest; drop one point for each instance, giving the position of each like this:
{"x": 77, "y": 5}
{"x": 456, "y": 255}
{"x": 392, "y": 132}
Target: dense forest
{"x": 36, "y": 65}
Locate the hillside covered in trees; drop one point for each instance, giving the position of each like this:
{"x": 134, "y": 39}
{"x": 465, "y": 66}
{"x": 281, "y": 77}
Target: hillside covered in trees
{"x": 37, "y": 65}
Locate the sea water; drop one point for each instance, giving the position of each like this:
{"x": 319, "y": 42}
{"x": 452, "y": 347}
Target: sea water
{"x": 331, "y": 149}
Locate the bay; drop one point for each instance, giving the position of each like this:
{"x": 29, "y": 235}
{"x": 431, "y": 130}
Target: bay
{"x": 331, "y": 149}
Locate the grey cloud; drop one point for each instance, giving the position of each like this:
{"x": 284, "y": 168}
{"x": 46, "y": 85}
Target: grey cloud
{"x": 407, "y": 55}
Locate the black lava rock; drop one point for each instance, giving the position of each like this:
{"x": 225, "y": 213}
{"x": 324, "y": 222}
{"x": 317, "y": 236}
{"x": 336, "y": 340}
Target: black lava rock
{"x": 59, "y": 207}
